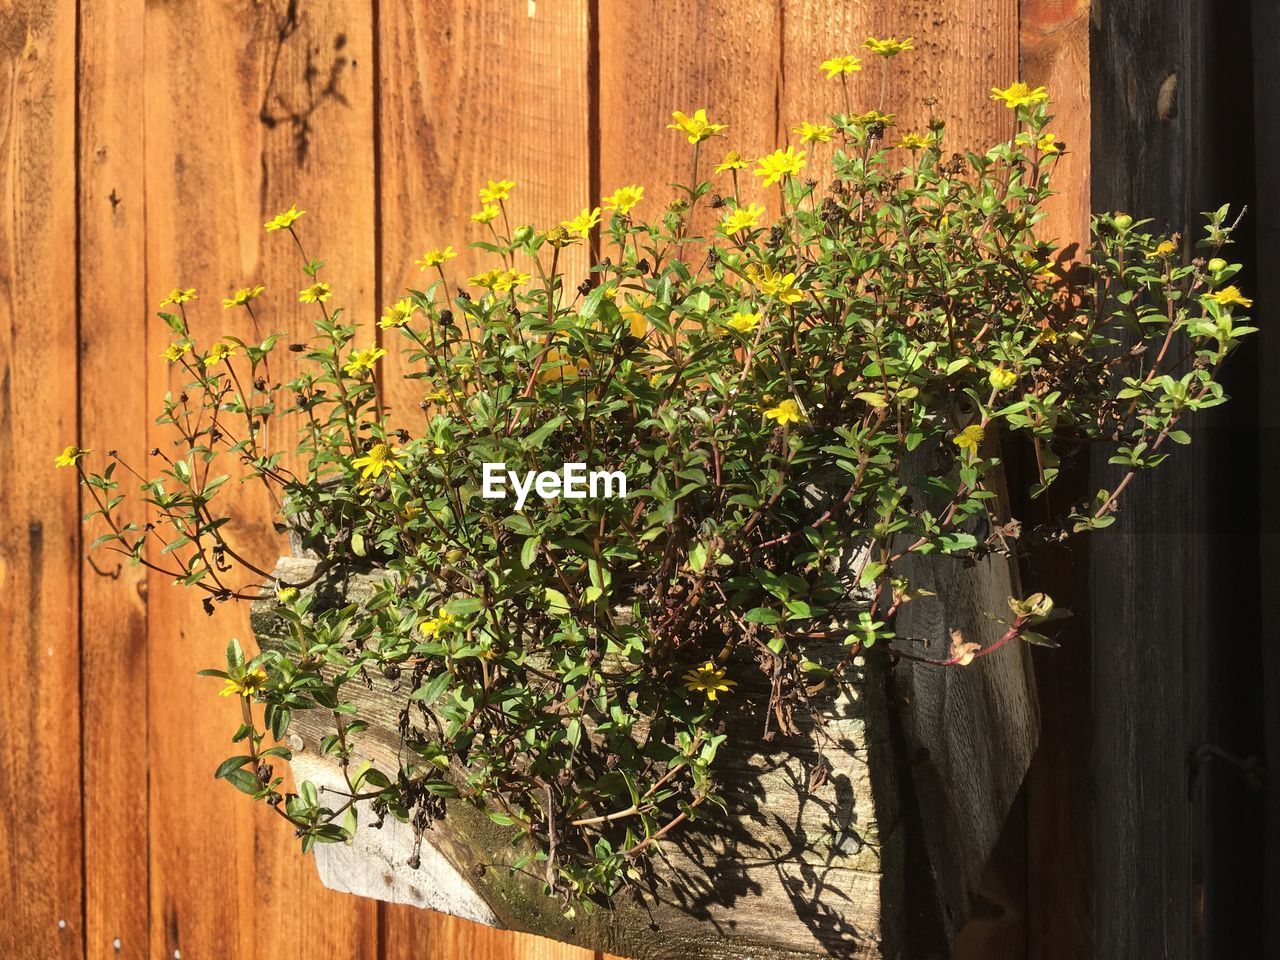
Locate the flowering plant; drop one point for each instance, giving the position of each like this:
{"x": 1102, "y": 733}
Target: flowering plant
{"x": 760, "y": 357}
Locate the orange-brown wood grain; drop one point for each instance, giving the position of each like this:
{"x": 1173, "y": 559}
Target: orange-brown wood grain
{"x": 248, "y": 108}
{"x": 961, "y": 50}
{"x": 113, "y": 391}
{"x": 40, "y": 804}
{"x": 1054, "y": 51}
{"x": 658, "y": 57}
{"x": 171, "y": 131}
{"x": 470, "y": 93}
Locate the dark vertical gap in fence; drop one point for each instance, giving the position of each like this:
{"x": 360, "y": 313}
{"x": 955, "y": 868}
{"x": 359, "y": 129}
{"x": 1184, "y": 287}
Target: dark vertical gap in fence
{"x": 80, "y": 441}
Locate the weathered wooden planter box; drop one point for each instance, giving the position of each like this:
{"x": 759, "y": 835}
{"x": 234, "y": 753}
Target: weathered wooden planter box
{"x": 881, "y": 860}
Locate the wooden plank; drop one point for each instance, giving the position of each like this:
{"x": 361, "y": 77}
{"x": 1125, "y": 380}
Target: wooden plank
{"x": 657, "y": 57}
{"x": 468, "y": 93}
{"x": 248, "y": 109}
{"x": 1054, "y": 52}
{"x": 1148, "y": 112}
{"x": 40, "y": 839}
{"x": 1266, "y": 215}
{"x": 962, "y": 49}
{"x": 113, "y": 393}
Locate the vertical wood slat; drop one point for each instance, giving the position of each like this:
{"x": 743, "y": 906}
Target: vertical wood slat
{"x": 1054, "y": 52}
{"x": 40, "y": 803}
{"x": 962, "y": 49}
{"x": 1266, "y": 40}
{"x": 468, "y": 93}
{"x": 1148, "y": 702}
{"x": 247, "y": 110}
{"x": 657, "y": 57}
{"x": 113, "y": 394}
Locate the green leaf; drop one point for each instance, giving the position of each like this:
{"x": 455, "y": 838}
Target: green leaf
{"x": 557, "y": 602}
{"x": 230, "y": 764}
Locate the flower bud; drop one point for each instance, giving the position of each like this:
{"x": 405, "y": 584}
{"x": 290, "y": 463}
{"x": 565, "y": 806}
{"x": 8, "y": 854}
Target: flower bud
{"x": 1123, "y": 221}
{"x": 1216, "y": 265}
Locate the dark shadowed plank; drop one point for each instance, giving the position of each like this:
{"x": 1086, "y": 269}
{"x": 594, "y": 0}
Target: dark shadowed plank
{"x": 1266, "y": 41}
{"x": 40, "y": 806}
{"x": 1151, "y": 571}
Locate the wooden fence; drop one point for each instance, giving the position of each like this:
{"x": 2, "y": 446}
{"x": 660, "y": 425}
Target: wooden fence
{"x": 142, "y": 145}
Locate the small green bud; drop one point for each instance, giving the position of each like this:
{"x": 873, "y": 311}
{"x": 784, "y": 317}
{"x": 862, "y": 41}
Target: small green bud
{"x": 1217, "y": 265}
{"x": 1123, "y": 221}
{"x": 522, "y": 234}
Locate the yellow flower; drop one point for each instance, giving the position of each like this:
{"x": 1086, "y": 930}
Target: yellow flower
{"x": 912, "y": 141}
{"x": 441, "y": 621}
{"x": 69, "y": 457}
{"x": 744, "y": 322}
{"x": 176, "y": 351}
{"x": 282, "y": 221}
{"x": 510, "y": 279}
{"x": 873, "y": 116}
{"x": 222, "y": 350}
{"x": 788, "y": 411}
{"x": 495, "y": 191}
{"x": 838, "y": 65}
{"x": 744, "y": 218}
{"x": 1166, "y": 248}
{"x": 488, "y": 213}
{"x": 242, "y": 296}
{"x": 890, "y": 46}
{"x": 380, "y": 458}
{"x": 709, "y": 679}
{"x": 779, "y": 164}
{"x": 560, "y": 238}
{"x": 970, "y": 438}
{"x": 499, "y": 280}
{"x": 1019, "y": 95}
{"x": 360, "y": 360}
{"x": 780, "y": 286}
{"x": 251, "y": 682}
{"x": 318, "y": 292}
{"x": 397, "y": 315}
{"x": 697, "y": 128}
{"x": 436, "y": 258}
{"x": 1229, "y": 296}
{"x": 624, "y": 198}
{"x": 733, "y": 160}
{"x": 488, "y": 280}
{"x": 813, "y": 132}
{"x": 1047, "y": 143}
{"x": 178, "y": 295}
{"x": 581, "y": 225}
{"x": 1001, "y": 378}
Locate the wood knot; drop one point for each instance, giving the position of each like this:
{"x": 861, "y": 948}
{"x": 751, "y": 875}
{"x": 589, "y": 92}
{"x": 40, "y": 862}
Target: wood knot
{"x": 1167, "y": 97}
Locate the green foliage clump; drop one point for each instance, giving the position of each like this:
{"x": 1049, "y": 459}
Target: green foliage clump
{"x": 760, "y": 379}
